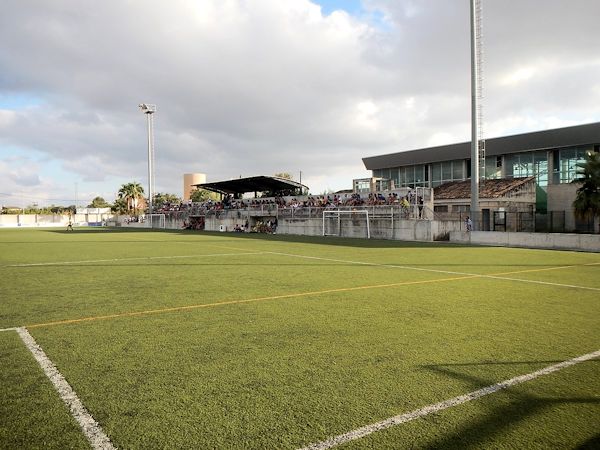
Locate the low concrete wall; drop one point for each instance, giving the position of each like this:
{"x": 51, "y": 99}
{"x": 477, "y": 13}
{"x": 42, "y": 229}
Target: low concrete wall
{"x": 222, "y": 224}
{"x": 309, "y": 222}
{"x": 33, "y": 220}
{"x": 402, "y": 230}
{"x": 51, "y": 220}
{"x": 171, "y": 222}
{"x": 556, "y": 241}
{"x": 9, "y": 220}
{"x": 305, "y": 227}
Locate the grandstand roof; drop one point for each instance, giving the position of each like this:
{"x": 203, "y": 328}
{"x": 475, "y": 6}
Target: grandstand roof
{"x": 252, "y": 184}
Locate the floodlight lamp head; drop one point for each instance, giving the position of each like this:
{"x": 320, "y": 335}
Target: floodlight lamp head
{"x": 147, "y": 108}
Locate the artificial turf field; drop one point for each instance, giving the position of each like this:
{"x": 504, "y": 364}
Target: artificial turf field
{"x": 175, "y": 339}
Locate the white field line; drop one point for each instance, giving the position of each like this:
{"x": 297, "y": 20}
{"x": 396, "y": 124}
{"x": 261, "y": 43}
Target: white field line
{"x": 422, "y": 269}
{"x": 92, "y": 431}
{"x": 430, "y": 409}
{"x": 8, "y": 329}
{"x": 59, "y": 263}
{"x": 575, "y": 286}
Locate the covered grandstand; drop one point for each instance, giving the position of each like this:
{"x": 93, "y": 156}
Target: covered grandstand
{"x": 269, "y": 186}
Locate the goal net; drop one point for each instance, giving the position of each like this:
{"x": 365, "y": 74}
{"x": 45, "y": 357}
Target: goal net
{"x": 155, "y": 220}
{"x": 348, "y": 223}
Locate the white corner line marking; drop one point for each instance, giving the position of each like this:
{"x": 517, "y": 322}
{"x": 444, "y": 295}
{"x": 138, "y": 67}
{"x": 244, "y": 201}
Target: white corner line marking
{"x": 7, "y": 329}
{"x": 91, "y": 429}
{"x": 403, "y": 418}
{"x": 422, "y": 269}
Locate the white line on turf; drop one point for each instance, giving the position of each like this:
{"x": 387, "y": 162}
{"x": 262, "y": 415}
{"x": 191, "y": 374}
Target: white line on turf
{"x": 8, "y": 329}
{"x": 575, "y": 286}
{"x": 422, "y": 269}
{"x": 93, "y": 432}
{"x": 131, "y": 259}
{"x": 403, "y": 418}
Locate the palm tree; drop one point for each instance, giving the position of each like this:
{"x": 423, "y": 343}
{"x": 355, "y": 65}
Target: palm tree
{"x": 119, "y": 206}
{"x": 132, "y": 193}
{"x": 587, "y": 200}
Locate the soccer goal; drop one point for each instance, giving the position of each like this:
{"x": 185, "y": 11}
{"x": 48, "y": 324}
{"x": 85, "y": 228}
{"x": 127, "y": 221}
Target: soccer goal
{"x": 335, "y": 220}
{"x": 156, "y": 220}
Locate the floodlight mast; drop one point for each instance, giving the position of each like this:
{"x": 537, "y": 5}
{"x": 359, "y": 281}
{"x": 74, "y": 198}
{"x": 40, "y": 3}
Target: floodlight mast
{"x": 149, "y": 110}
{"x": 477, "y": 142}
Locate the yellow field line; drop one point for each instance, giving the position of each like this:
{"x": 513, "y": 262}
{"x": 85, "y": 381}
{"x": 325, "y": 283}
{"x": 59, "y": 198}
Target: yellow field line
{"x": 235, "y": 302}
{"x": 300, "y": 294}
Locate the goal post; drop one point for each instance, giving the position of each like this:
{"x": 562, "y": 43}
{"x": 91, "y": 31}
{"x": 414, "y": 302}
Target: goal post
{"x": 156, "y": 221}
{"x": 334, "y": 220}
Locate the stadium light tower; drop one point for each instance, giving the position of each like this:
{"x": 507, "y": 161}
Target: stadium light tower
{"x": 149, "y": 110}
{"x": 477, "y": 141}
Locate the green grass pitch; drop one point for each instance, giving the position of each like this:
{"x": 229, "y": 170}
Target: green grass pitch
{"x": 176, "y": 339}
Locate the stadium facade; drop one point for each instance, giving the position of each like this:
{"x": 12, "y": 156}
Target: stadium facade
{"x": 551, "y": 156}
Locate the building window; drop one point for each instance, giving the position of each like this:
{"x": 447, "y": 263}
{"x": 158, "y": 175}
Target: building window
{"x": 446, "y": 171}
{"x": 519, "y": 165}
{"x": 410, "y": 175}
{"x": 395, "y": 176}
{"x": 493, "y": 167}
{"x": 362, "y": 186}
{"x": 529, "y": 164}
{"x": 461, "y": 208}
{"x": 420, "y": 179}
{"x": 436, "y": 174}
{"x": 565, "y": 163}
{"x": 457, "y": 170}
{"x": 540, "y": 168}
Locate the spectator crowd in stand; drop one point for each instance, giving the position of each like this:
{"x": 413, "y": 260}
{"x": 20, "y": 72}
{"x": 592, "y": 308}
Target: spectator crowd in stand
{"x": 319, "y": 201}
{"x": 194, "y": 212}
{"x": 173, "y": 207}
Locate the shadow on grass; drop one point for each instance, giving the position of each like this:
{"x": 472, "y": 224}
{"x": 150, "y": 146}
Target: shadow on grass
{"x": 497, "y": 421}
{"x": 592, "y": 443}
{"x": 317, "y": 240}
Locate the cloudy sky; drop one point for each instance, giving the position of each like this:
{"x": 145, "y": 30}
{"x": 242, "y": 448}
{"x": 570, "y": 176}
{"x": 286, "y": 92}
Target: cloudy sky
{"x": 256, "y": 87}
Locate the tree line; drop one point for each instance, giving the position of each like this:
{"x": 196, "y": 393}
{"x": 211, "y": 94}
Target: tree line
{"x": 130, "y": 200}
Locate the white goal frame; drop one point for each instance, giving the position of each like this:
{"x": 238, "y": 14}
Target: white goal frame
{"x": 156, "y": 220}
{"x": 337, "y": 214}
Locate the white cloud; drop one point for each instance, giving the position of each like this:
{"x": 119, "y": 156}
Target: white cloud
{"x": 7, "y": 118}
{"x": 519, "y": 75}
{"x": 265, "y": 86}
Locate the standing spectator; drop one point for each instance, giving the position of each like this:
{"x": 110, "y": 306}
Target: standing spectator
{"x": 469, "y": 224}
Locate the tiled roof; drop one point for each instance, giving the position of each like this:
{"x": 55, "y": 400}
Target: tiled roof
{"x": 487, "y": 189}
